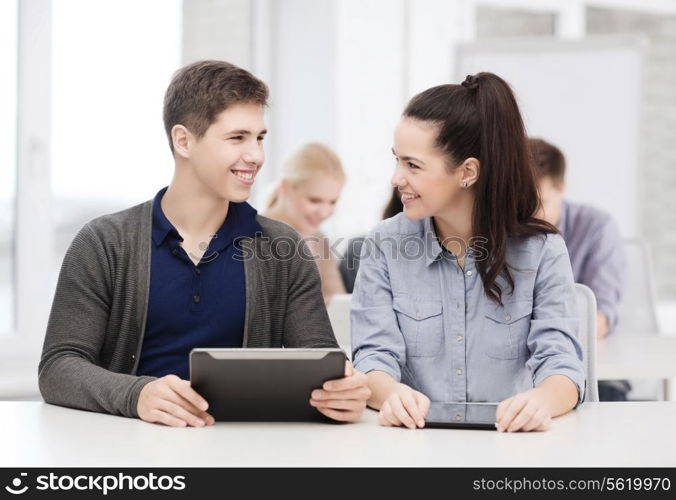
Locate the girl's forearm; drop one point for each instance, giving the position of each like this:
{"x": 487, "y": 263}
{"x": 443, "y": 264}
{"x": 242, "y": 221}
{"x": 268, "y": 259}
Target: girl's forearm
{"x": 559, "y": 394}
{"x": 382, "y": 385}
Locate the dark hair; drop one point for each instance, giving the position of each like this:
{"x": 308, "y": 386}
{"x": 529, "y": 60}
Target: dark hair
{"x": 548, "y": 160}
{"x": 200, "y": 91}
{"x": 394, "y": 206}
{"x": 480, "y": 119}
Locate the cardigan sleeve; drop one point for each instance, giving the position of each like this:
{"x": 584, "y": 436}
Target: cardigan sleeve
{"x": 306, "y": 322}
{"x": 69, "y": 371}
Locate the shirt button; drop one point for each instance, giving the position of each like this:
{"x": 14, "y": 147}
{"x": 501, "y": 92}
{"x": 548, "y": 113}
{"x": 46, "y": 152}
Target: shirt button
{"x": 458, "y": 372}
{"x": 418, "y": 315}
{"x": 469, "y": 273}
{"x": 174, "y": 252}
{"x": 196, "y": 298}
{"x": 458, "y": 417}
{"x": 459, "y": 338}
{"x": 197, "y": 270}
{"x": 508, "y": 318}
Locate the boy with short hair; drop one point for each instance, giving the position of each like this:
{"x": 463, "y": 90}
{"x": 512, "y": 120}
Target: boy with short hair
{"x": 594, "y": 246}
{"x": 195, "y": 267}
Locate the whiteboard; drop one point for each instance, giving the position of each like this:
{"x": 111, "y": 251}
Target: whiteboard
{"x": 583, "y": 96}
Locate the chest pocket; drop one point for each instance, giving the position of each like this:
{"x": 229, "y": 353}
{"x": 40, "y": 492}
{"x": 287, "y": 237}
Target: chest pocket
{"x": 420, "y": 322}
{"x": 506, "y": 329}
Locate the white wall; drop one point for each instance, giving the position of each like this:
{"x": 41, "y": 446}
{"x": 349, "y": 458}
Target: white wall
{"x": 217, "y": 29}
{"x": 302, "y": 86}
{"x": 370, "y": 96}
{"x": 341, "y": 72}
{"x": 585, "y": 97}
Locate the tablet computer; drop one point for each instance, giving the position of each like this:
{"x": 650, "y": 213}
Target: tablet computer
{"x": 462, "y": 415}
{"x": 263, "y": 384}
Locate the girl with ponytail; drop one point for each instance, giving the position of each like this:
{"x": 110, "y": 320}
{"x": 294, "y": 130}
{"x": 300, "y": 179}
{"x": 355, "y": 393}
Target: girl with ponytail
{"x": 467, "y": 296}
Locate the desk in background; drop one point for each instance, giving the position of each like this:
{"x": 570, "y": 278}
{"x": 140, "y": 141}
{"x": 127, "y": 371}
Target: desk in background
{"x": 623, "y": 357}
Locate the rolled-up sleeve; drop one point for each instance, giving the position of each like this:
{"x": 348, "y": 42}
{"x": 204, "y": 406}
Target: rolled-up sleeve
{"x": 604, "y": 272}
{"x": 552, "y": 340}
{"x": 377, "y": 342}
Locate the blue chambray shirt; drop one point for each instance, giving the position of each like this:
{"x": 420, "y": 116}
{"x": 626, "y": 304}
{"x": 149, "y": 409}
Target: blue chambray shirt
{"x": 419, "y": 317}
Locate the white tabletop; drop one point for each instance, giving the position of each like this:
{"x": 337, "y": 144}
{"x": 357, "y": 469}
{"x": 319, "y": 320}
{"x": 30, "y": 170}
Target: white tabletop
{"x": 636, "y": 356}
{"x": 598, "y": 434}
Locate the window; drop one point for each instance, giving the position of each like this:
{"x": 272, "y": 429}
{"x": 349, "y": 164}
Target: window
{"x": 109, "y": 150}
{"x": 8, "y": 63}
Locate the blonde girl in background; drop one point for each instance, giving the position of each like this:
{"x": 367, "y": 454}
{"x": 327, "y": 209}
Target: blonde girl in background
{"x": 312, "y": 179}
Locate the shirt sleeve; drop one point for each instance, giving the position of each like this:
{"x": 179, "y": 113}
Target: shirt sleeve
{"x": 377, "y": 342}
{"x": 604, "y": 271}
{"x": 552, "y": 340}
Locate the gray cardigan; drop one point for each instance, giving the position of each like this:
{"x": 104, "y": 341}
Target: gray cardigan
{"x": 98, "y": 317}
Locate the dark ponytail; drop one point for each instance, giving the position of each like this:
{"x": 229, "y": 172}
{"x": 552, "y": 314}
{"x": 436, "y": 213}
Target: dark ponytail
{"x": 394, "y": 206}
{"x": 480, "y": 119}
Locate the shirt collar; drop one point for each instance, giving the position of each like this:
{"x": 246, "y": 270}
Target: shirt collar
{"x": 434, "y": 251}
{"x": 240, "y": 222}
{"x": 161, "y": 225}
{"x": 432, "y": 246}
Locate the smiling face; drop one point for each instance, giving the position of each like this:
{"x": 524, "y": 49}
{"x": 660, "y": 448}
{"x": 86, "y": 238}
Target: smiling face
{"x": 427, "y": 186}
{"x": 227, "y": 158}
{"x": 311, "y": 202}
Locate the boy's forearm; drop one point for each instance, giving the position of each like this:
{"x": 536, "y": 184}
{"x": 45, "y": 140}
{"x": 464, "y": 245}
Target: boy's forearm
{"x": 601, "y": 325}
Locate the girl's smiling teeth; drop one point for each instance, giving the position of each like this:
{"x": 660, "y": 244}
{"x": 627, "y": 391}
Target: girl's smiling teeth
{"x": 408, "y": 197}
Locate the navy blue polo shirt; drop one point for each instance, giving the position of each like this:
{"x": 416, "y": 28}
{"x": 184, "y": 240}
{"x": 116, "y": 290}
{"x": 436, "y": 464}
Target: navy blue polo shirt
{"x": 194, "y": 305}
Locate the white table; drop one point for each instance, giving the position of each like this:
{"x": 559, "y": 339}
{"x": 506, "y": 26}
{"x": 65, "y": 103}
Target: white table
{"x": 598, "y": 434}
{"x": 637, "y": 357}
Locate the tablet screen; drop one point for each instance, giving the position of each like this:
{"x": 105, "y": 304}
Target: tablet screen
{"x": 468, "y": 415}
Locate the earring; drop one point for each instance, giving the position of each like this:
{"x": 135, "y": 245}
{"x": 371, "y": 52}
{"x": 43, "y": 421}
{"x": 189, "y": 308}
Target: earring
{"x": 464, "y": 184}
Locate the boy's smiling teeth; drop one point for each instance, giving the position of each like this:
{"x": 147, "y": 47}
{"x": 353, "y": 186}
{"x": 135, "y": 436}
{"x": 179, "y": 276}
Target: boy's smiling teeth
{"x": 408, "y": 196}
{"x": 244, "y": 175}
